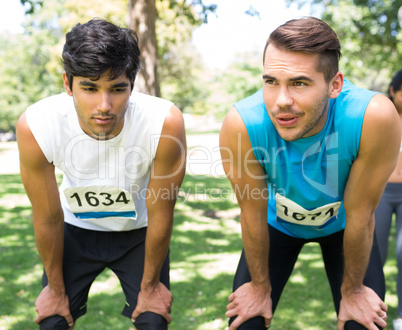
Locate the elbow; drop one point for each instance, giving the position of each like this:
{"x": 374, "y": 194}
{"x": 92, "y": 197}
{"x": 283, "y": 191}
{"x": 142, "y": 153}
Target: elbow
{"x": 49, "y": 219}
{"x": 361, "y": 222}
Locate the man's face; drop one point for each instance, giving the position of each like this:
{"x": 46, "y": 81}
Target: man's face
{"x": 100, "y": 104}
{"x": 296, "y": 95}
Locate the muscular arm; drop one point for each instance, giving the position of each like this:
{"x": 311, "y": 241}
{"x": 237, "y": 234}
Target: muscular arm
{"x": 166, "y": 177}
{"x": 378, "y": 153}
{"x": 39, "y": 180}
{"x": 249, "y": 184}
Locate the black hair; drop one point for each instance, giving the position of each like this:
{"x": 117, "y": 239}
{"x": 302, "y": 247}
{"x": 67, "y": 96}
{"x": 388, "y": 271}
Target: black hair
{"x": 97, "y": 46}
{"x": 396, "y": 83}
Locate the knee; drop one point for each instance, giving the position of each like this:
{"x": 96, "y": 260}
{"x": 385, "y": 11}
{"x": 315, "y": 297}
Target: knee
{"x": 55, "y": 322}
{"x": 150, "y": 321}
{"x": 354, "y": 325}
{"x": 256, "y": 323}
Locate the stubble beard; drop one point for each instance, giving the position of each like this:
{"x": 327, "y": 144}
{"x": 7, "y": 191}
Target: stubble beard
{"x": 319, "y": 112}
{"x": 91, "y": 131}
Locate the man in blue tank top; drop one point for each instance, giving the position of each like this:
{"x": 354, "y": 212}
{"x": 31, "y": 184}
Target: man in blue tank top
{"x": 310, "y": 154}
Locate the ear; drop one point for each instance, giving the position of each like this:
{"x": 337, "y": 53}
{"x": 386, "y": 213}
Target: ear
{"x": 66, "y": 85}
{"x": 335, "y": 86}
{"x": 391, "y": 91}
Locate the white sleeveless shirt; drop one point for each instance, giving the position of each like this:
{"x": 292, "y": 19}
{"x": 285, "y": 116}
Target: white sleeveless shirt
{"x": 105, "y": 182}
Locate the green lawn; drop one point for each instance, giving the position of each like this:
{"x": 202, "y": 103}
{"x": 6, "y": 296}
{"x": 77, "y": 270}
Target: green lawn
{"x": 205, "y": 247}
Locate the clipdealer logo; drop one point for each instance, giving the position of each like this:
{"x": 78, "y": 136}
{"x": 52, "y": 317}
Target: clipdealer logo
{"x": 111, "y": 162}
{"x": 330, "y": 186}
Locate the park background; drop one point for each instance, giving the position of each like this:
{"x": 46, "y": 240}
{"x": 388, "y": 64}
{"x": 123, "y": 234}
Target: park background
{"x": 203, "y": 55}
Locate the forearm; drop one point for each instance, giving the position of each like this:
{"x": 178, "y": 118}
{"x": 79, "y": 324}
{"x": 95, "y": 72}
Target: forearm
{"x": 256, "y": 247}
{"x": 357, "y": 246}
{"x": 49, "y": 237}
{"x": 156, "y": 247}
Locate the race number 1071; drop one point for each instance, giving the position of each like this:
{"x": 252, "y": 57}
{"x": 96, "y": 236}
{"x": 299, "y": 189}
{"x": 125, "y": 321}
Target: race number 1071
{"x": 310, "y": 216}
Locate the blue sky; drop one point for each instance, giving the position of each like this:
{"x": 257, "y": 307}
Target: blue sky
{"x": 227, "y": 33}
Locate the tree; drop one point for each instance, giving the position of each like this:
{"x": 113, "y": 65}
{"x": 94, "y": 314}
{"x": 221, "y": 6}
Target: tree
{"x": 143, "y": 16}
{"x": 31, "y": 5}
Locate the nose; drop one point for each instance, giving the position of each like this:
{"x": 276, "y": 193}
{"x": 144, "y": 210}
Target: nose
{"x": 284, "y": 98}
{"x": 105, "y": 102}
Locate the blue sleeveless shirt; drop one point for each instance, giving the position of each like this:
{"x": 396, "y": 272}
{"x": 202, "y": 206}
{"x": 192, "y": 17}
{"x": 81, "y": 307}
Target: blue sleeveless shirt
{"x": 306, "y": 178}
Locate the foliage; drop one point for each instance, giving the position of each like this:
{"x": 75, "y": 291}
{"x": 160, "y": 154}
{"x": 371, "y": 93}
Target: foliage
{"x": 181, "y": 77}
{"x": 240, "y": 80}
{"x": 31, "y": 5}
{"x": 180, "y": 68}
{"x": 26, "y": 72}
{"x": 370, "y": 36}
{"x": 203, "y": 9}
{"x": 78, "y": 11}
{"x": 30, "y": 65}
{"x": 205, "y": 248}
{"x": 244, "y": 77}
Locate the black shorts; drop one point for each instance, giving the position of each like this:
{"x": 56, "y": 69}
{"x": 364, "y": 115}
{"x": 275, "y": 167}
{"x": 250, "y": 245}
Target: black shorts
{"x": 87, "y": 253}
{"x": 283, "y": 253}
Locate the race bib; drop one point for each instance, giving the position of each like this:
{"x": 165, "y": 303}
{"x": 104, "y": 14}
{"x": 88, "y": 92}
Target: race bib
{"x": 289, "y": 211}
{"x": 100, "y": 202}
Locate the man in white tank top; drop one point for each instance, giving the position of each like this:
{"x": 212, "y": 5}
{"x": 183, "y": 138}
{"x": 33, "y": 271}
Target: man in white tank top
{"x": 122, "y": 155}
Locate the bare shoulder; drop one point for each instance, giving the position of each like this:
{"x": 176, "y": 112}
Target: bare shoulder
{"x": 381, "y": 126}
{"x": 172, "y": 144}
{"x": 31, "y": 154}
{"x": 232, "y": 122}
{"x": 381, "y": 113}
{"x": 238, "y": 160}
{"x": 22, "y": 125}
{"x": 174, "y": 122}
{"x": 233, "y": 130}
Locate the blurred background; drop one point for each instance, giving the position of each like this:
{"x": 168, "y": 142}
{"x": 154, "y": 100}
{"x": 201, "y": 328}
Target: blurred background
{"x": 201, "y": 54}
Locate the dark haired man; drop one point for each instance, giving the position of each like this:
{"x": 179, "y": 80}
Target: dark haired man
{"x": 122, "y": 154}
{"x": 310, "y": 154}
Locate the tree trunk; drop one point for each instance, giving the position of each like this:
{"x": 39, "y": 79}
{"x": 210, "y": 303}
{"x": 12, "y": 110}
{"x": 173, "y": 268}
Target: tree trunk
{"x": 142, "y": 14}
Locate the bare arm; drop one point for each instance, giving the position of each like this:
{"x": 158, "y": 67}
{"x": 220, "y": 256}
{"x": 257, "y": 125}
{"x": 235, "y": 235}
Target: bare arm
{"x": 166, "y": 177}
{"x": 39, "y": 180}
{"x": 378, "y": 154}
{"x": 248, "y": 180}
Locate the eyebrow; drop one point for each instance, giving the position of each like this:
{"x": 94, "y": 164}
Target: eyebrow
{"x": 265, "y": 76}
{"x": 87, "y": 83}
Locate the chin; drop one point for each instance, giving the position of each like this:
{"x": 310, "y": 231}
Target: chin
{"x": 289, "y": 136}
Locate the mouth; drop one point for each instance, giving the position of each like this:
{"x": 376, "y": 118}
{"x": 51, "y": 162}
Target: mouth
{"x": 287, "y": 120}
{"x": 103, "y": 120}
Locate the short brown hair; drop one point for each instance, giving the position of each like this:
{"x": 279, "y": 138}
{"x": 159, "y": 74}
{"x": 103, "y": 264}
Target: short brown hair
{"x": 312, "y": 36}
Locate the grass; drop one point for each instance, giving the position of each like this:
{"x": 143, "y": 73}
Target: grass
{"x": 205, "y": 247}
{"x": 201, "y": 130}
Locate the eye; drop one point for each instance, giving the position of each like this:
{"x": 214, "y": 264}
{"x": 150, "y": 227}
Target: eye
{"x": 270, "y": 81}
{"x": 89, "y": 89}
{"x": 120, "y": 90}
